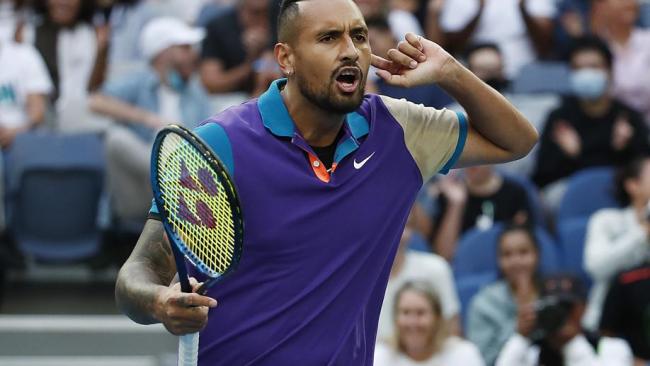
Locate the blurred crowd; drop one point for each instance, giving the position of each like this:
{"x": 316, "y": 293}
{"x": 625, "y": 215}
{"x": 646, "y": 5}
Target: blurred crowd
{"x": 567, "y": 279}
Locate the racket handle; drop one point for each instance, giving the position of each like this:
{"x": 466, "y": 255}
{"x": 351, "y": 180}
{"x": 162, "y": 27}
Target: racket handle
{"x": 188, "y": 349}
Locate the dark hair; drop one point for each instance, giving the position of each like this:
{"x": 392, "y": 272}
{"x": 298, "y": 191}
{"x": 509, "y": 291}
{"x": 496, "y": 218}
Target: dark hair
{"x": 286, "y": 19}
{"x": 469, "y": 51}
{"x": 590, "y": 43}
{"x": 631, "y": 170}
{"x": 528, "y": 229}
{"x": 87, "y": 10}
{"x": 378, "y": 22}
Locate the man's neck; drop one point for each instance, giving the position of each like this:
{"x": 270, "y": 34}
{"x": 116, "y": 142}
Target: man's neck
{"x": 598, "y": 107}
{"x": 317, "y": 126}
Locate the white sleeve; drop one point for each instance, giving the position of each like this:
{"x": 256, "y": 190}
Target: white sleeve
{"x": 541, "y": 8}
{"x": 447, "y": 290}
{"x": 607, "y": 253}
{"x": 383, "y": 355}
{"x": 611, "y": 352}
{"x": 37, "y": 79}
{"x": 402, "y": 22}
{"x": 515, "y": 352}
{"x": 457, "y": 13}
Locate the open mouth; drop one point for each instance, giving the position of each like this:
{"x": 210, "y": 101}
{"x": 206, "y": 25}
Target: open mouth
{"x": 348, "y": 79}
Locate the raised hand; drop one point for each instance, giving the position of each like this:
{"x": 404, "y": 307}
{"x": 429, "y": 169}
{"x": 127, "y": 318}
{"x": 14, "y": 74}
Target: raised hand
{"x": 415, "y": 61}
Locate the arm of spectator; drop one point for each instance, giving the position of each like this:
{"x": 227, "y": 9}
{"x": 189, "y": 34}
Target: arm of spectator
{"x": 607, "y": 253}
{"x": 122, "y": 111}
{"x": 98, "y": 74}
{"x": 449, "y": 228}
{"x": 36, "y": 105}
{"x": 540, "y": 30}
{"x": 515, "y": 352}
{"x": 217, "y": 80}
{"x": 457, "y": 41}
{"x": 432, "y": 27}
{"x": 552, "y": 162}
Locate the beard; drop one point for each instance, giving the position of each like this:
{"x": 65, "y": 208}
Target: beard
{"x": 327, "y": 99}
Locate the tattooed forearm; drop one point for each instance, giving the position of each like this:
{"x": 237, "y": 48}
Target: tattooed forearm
{"x": 150, "y": 267}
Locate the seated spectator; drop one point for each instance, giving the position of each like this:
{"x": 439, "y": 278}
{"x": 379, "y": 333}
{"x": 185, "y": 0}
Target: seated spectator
{"x": 590, "y": 128}
{"x": 498, "y": 310}
{"x": 479, "y": 199}
{"x": 381, "y": 40}
{"x": 146, "y": 101}
{"x": 626, "y": 311}
{"x": 235, "y": 39}
{"x": 24, "y": 88}
{"x": 410, "y": 265}
{"x": 522, "y": 29}
{"x": 550, "y": 333}
{"x": 617, "y": 239}
{"x": 573, "y": 21}
{"x": 631, "y": 48}
{"x": 402, "y": 19}
{"x": 421, "y": 336}
{"x": 74, "y": 51}
{"x": 486, "y": 61}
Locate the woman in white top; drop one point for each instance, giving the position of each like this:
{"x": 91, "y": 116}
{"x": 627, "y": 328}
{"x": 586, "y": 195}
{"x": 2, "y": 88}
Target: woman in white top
{"x": 421, "y": 335}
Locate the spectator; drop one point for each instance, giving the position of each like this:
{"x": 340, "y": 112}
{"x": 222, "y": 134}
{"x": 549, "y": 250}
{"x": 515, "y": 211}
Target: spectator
{"x": 617, "y": 239}
{"x": 522, "y": 28}
{"x": 485, "y": 60}
{"x": 402, "y": 19}
{"x": 590, "y": 128}
{"x": 421, "y": 337}
{"x": 381, "y": 40}
{"x": 557, "y": 338}
{"x": 235, "y": 39}
{"x": 24, "y": 88}
{"x": 626, "y": 311}
{"x": 145, "y": 101}
{"x": 631, "y": 48}
{"x": 75, "y": 52}
{"x": 411, "y": 265}
{"x": 12, "y": 14}
{"x": 499, "y": 309}
{"x": 481, "y": 198}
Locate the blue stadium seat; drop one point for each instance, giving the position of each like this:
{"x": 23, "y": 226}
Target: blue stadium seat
{"x": 542, "y": 77}
{"x": 588, "y": 191}
{"x": 476, "y": 252}
{"x": 419, "y": 243}
{"x": 467, "y": 287}
{"x": 571, "y": 236}
{"x": 55, "y": 185}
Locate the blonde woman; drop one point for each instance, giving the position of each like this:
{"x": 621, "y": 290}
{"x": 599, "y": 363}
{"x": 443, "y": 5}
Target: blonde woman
{"x": 421, "y": 336}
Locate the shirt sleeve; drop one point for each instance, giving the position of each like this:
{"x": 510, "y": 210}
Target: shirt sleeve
{"x": 515, "y": 352}
{"x": 542, "y": 8}
{"x": 435, "y": 138}
{"x": 611, "y": 352}
{"x": 37, "y": 78}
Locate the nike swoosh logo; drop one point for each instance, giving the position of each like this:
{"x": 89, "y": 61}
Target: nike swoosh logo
{"x": 363, "y": 162}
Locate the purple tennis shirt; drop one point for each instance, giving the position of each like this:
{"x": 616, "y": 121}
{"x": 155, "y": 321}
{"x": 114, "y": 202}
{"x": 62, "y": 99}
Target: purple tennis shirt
{"x": 318, "y": 246}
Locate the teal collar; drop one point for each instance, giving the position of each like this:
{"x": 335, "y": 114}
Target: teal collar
{"x": 276, "y": 118}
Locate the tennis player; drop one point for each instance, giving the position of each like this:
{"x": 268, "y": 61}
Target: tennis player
{"x": 326, "y": 177}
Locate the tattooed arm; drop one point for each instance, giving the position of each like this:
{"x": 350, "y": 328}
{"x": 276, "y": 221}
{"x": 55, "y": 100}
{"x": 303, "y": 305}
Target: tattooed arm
{"x": 143, "y": 291}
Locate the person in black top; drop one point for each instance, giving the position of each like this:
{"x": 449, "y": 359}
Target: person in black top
{"x": 590, "y": 128}
{"x": 627, "y": 311}
{"x": 235, "y": 40}
{"x": 481, "y": 198}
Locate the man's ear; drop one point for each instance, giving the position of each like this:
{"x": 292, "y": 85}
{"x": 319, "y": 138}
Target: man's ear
{"x": 285, "y": 57}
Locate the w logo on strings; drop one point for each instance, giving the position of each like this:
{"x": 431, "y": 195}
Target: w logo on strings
{"x": 202, "y": 214}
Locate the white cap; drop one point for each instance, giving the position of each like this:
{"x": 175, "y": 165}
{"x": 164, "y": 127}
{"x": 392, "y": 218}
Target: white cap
{"x": 162, "y": 33}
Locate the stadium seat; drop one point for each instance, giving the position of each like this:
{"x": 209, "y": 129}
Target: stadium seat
{"x": 571, "y": 236}
{"x": 477, "y": 252}
{"x": 55, "y": 185}
{"x": 588, "y": 191}
{"x": 542, "y": 77}
{"x": 467, "y": 287}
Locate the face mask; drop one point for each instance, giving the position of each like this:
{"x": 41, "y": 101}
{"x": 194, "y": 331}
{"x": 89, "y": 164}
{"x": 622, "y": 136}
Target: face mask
{"x": 175, "y": 80}
{"x": 589, "y": 84}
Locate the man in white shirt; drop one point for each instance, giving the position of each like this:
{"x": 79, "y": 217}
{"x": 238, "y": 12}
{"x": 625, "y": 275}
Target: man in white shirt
{"x": 522, "y": 28}
{"x": 551, "y": 334}
{"x": 413, "y": 265}
{"x": 24, "y": 87}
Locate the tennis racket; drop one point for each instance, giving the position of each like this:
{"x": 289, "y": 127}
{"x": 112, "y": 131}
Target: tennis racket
{"x": 200, "y": 212}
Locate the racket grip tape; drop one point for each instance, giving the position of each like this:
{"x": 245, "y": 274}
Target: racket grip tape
{"x": 188, "y": 349}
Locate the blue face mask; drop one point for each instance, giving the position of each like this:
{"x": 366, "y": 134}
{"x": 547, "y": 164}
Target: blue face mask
{"x": 589, "y": 84}
{"x": 175, "y": 80}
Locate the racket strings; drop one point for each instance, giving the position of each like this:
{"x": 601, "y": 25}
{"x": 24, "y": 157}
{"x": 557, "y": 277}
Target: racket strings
{"x": 197, "y": 204}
